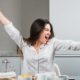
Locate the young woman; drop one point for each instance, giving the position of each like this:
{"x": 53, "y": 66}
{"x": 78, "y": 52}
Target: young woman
{"x": 39, "y": 49}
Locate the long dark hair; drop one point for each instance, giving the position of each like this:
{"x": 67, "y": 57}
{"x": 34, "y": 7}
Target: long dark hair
{"x": 36, "y": 28}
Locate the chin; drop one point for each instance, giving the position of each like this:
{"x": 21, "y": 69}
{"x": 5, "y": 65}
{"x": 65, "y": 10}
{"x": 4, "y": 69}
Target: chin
{"x": 45, "y": 43}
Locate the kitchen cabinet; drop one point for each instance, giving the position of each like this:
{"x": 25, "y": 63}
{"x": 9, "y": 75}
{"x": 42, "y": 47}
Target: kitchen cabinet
{"x": 69, "y": 65}
{"x": 10, "y": 64}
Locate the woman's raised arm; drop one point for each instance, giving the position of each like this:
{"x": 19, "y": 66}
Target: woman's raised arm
{"x": 11, "y": 30}
{"x": 3, "y": 19}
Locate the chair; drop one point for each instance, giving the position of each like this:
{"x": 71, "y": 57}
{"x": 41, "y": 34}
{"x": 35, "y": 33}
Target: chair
{"x": 58, "y": 72}
{"x": 56, "y": 69}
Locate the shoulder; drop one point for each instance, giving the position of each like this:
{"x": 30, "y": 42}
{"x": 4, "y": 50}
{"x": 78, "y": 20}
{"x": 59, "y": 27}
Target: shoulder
{"x": 52, "y": 40}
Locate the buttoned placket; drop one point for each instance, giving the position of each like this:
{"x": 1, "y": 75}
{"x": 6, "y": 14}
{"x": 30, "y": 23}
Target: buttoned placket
{"x": 37, "y": 55}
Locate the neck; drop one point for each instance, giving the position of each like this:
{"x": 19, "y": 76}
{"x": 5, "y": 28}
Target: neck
{"x": 37, "y": 46}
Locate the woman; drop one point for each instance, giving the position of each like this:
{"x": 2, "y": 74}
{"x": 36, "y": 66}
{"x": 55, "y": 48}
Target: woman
{"x": 39, "y": 49}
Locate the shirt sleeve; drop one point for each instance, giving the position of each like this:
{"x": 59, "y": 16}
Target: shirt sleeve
{"x": 66, "y": 44}
{"x": 14, "y": 34}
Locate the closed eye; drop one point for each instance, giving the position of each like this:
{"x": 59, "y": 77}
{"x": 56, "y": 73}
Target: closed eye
{"x": 46, "y": 29}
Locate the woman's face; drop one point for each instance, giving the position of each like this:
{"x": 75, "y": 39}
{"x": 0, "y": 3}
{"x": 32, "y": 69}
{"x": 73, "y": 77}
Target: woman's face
{"x": 44, "y": 37}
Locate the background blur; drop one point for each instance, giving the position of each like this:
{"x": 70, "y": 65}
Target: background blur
{"x": 63, "y": 14}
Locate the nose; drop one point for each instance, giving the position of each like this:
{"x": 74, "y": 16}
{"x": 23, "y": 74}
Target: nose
{"x": 49, "y": 33}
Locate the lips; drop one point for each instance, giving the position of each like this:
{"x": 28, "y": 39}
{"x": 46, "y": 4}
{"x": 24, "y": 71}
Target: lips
{"x": 47, "y": 37}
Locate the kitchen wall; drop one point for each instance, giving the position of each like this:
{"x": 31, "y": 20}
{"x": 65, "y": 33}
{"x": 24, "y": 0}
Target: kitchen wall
{"x": 69, "y": 65}
{"x": 65, "y": 17}
{"x": 31, "y": 10}
{"x": 12, "y": 10}
{"x": 22, "y": 13}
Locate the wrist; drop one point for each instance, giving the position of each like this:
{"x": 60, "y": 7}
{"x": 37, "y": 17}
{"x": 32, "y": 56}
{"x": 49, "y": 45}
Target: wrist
{"x": 3, "y": 19}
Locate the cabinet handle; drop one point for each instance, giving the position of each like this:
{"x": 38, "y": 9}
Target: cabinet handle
{"x": 5, "y": 61}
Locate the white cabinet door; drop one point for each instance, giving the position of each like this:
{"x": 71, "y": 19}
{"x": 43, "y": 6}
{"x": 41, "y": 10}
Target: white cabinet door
{"x": 69, "y": 65}
{"x": 10, "y": 64}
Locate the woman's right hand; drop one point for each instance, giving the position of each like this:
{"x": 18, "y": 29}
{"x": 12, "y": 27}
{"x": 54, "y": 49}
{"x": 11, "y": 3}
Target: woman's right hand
{"x": 4, "y": 20}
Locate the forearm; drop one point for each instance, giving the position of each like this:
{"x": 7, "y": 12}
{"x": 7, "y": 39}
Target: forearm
{"x": 3, "y": 19}
{"x": 67, "y": 45}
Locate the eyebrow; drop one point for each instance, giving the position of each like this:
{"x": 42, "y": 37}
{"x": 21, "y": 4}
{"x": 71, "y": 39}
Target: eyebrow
{"x": 47, "y": 29}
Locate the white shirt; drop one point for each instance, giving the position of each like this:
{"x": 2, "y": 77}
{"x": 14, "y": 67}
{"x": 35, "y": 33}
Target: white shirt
{"x": 43, "y": 62}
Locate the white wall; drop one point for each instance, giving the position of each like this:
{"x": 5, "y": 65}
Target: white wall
{"x": 65, "y": 17}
